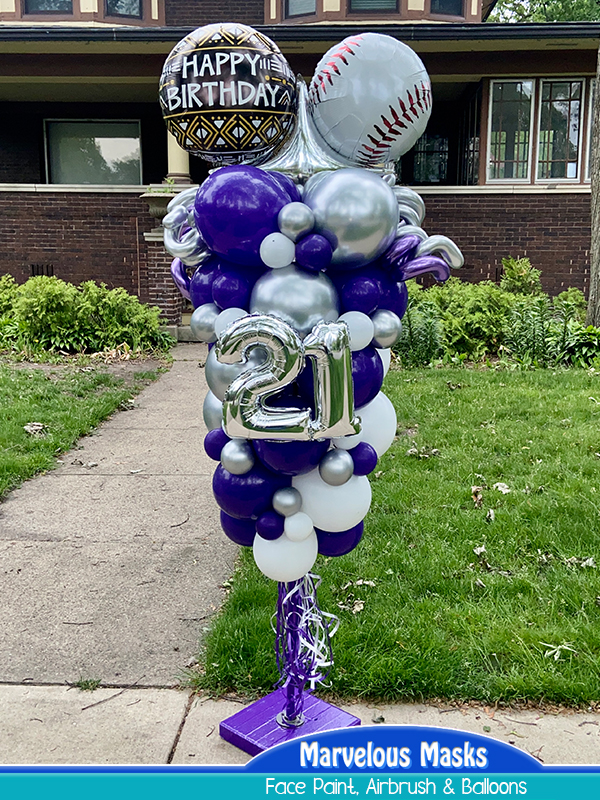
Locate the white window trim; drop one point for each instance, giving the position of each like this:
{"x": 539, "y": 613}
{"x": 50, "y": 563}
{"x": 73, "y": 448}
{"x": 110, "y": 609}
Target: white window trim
{"x": 138, "y": 122}
{"x": 488, "y": 148}
{"x": 583, "y": 101}
{"x": 590, "y": 112}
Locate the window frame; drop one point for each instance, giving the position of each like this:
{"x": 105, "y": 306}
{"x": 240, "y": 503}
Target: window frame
{"x": 287, "y": 15}
{"x": 108, "y": 15}
{"x": 32, "y": 14}
{"x": 532, "y": 131}
{"x": 583, "y": 101}
{"x": 587, "y": 178}
{"x": 137, "y": 121}
{"x": 350, "y": 10}
{"x": 448, "y": 16}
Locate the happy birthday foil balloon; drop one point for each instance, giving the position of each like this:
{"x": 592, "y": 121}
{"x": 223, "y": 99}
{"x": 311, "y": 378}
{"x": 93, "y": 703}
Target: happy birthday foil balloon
{"x": 227, "y": 94}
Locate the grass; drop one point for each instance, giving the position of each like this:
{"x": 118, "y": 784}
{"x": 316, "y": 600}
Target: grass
{"x": 87, "y": 684}
{"x": 518, "y": 621}
{"x": 68, "y": 402}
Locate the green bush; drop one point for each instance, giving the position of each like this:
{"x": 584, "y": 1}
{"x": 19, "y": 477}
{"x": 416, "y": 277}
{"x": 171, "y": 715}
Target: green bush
{"x": 519, "y": 277}
{"x": 422, "y": 336}
{"x": 46, "y": 313}
{"x": 530, "y": 333}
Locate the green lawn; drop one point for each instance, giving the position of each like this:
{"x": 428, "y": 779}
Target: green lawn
{"x": 68, "y": 401}
{"x": 519, "y": 620}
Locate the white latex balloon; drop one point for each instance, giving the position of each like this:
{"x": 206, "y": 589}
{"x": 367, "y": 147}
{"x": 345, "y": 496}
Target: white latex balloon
{"x": 225, "y": 318}
{"x": 378, "y": 419}
{"x": 298, "y": 527}
{"x": 283, "y": 560}
{"x": 386, "y": 357}
{"x": 333, "y": 508}
{"x": 360, "y": 328}
{"x": 276, "y": 250}
{"x": 347, "y": 442}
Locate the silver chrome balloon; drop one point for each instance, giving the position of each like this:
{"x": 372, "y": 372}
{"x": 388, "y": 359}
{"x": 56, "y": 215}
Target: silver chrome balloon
{"x": 356, "y": 210}
{"x": 300, "y": 298}
{"x": 237, "y": 457}
{"x": 220, "y": 375}
{"x": 202, "y": 322}
{"x": 444, "y": 247}
{"x": 336, "y": 467}
{"x": 212, "y": 411}
{"x": 188, "y": 246}
{"x": 287, "y": 501}
{"x": 408, "y": 214}
{"x": 408, "y": 197}
{"x": 245, "y": 412}
{"x": 296, "y": 220}
{"x": 184, "y": 198}
{"x": 411, "y": 230}
{"x": 387, "y": 328}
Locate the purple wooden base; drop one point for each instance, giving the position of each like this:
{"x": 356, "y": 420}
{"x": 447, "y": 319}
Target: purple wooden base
{"x": 255, "y": 728}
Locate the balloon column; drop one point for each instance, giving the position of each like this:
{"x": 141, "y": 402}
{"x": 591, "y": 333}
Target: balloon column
{"x": 298, "y": 286}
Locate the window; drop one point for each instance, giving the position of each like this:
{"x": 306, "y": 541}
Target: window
{"x": 431, "y": 159}
{"x": 559, "y": 132}
{"x": 388, "y": 6}
{"x": 510, "y": 130}
{"x": 451, "y": 8}
{"x": 298, "y": 8}
{"x": 48, "y": 7}
{"x": 124, "y": 8}
{"x": 592, "y": 95}
{"x": 93, "y": 152}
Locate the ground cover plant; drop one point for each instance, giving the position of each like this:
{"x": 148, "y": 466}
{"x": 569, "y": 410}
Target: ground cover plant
{"x": 477, "y": 577}
{"x": 66, "y": 402}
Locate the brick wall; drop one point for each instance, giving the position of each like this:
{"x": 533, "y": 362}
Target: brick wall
{"x": 195, "y": 13}
{"x": 553, "y": 230}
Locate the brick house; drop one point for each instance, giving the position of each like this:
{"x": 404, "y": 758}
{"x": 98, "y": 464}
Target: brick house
{"x": 503, "y": 167}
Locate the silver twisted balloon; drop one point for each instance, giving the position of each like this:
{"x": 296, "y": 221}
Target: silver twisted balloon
{"x": 444, "y": 247}
{"x": 189, "y": 247}
{"x": 410, "y": 202}
{"x": 410, "y": 230}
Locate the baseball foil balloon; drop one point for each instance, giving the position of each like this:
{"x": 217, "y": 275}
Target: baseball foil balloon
{"x": 370, "y": 99}
{"x": 227, "y": 94}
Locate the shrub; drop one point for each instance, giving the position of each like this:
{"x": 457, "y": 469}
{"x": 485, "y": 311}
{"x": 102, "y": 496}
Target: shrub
{"x": 422, "y": 336}
{"x": 530, "y": 336}
{"x": 8, "y": 292}
{"x": 519, "y": 277}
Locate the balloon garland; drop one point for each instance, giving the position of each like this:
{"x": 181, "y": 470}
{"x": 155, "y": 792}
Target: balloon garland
{"x": 300, "y": 256}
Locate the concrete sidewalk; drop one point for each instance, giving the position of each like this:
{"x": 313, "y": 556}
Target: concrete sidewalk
{"x": 111, "y": 568}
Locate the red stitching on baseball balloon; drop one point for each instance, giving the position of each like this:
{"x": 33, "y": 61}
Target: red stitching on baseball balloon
{"x": 331, "y": 66}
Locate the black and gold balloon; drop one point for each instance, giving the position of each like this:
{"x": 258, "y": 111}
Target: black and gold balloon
{"x": 227, "y": 94}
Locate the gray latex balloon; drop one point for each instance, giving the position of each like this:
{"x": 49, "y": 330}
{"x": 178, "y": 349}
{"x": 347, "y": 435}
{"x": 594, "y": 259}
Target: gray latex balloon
{"x": 387, "y": 328}
{"x": 356, "y": 210}
{"x": 300, "y": 298}
{"x": 295, "y": 220}
{"x": 336, "y": 467}
{"x": 444, "y": 247}
{"x": 287, "y": 501}
{"x": 212, "y": 411}
{"x": 220, "y": 375}
{"x": 237, "y": 457}
{"x": 202, "y": 322}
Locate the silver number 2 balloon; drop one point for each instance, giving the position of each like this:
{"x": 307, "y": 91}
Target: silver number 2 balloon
{"x": 245, "y": 413}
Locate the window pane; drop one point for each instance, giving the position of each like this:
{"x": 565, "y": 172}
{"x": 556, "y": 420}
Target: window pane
{"x": 558, "y": 149}
{"x": 94, "y": 152}
{"x": 124, "y": 8}
{"x": 48, "y": 7}
{"x": 373, "y": 5}
{"x": 297, "y": 7}
{"x": 431, "y": 159}
{"x": 452, "y": 8}
{"x": 509, "y": 130}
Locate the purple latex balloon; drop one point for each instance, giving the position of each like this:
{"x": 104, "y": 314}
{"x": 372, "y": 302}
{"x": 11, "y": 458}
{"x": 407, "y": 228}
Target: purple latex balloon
{"x": 288, "y": 185}
{"x": 401, "y": 251}
{"x": 314, "y": 252}
{"x": 231, "y": 288}
{"x": 180, "y": 277}
{"x": 367, "y": 375}
{"x": 270, "y": 525}
{"x": 214, "y": 442}
{"x": 394, "y": 298}
{"x": 247, "y": 495}
{"x": 290, "y": 458}
{"x": 338, "y": 544}
{"x": 236, "y": 207}
{"x": 423, "y": 265}
{"x": 202, "y": 281}
{"x": 360, "y": 293}
{"x": 240, "y": 531}
{"x": 364, "y": 457}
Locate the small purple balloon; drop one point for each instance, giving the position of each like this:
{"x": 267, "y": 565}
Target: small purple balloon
{"x": 231, "y": 288}
{"x": 247, "y": 495}
{"x": 240, "y": 531}
{"x": 360, "y": 293}
{"x": 270, "y": 525}
{"x": 338, "y": 544}
{"x": 290, "y": 458}
{"x": 364, "y": 457}
{"x": 202, "y": 281}
{"x": 180, "y": 277}
{"x": 214, "y": 442}
{"x": 314, "y": 252}
{"x": 367, "y": 375}
{"x": 235, "y": 208}
{"x": 394, "y": 298}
